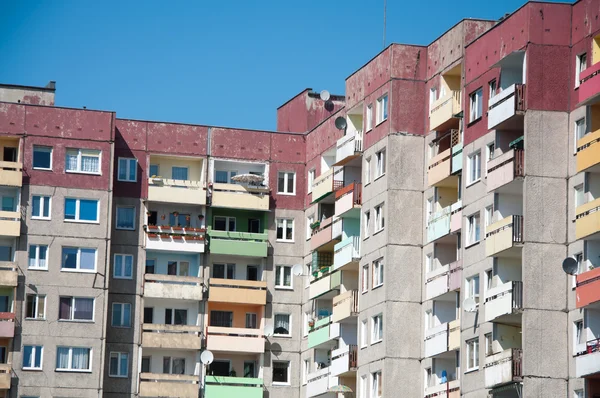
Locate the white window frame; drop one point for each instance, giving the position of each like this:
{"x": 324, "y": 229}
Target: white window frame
{"x": 579, "y": 393}
{"x": 380, "y": 168}
{"x": 364, "y": 333}
{"x": 37, "y": 298}
{"x": 285, "y": 183}
{"x": 46, "y": 149}
{"x": 379, "y": 218}
{"x": 579, "y": 197}
{"x": 472, "y": 348}
{"x": 284, "y": 229}
{"x": 369, "y": 118}
{"x": 117, "y": 218}
{"x": 364, "y": 387}
{"x": 492, "y": 88}
{"x": 280, "y": 269}
{"x": 227, "y": 221}
{"x": 580, "y": 66}
{"x": 489, "y": 155}
{"x": 489, "y": 341}
{"x": 78, "y": 264}
{"x": 33, "y": 354}
{"x": 281, "y": 383}
{"x": 309, "y": 221}
{"x": 376, "y": 328}
{"x": 310, "y": 179}
{"x": 72, "y": 314}
{"x": 37, "y": 257}
{"x": 78, "y": 209}
{"x": 432, "y": 95}
{"x": 70, "y": 368}
{"x": 473, "y": 160}
{"x": 367, "y": 171}
{"x": 580, "y": 124}
{"x": 367, "y": 224}
{"x": 472, "y": 288}
{"x": 88, "y": 153}
{"x": 382, "y": 109}
{"x": 378, "y": 273}
{"x": 476, "y": 105}
{"x": 289, "y": 323}
{"x": 127, "y": 169}
{"x": 119, "y": 356}
{"x": 305, "y": 371}
{"x": 375, "y": 381}
{"x": 576, "y": 334}
{"x": 365, "y": 278}
{"x": 472, "y": 229}
{"x": 43, "y": 204}
{"x": 123, "y": 261}
{"x": 150, "y": 175}
{"x": 122, "y": 323}
{"x": 429, "y": 262}
{"x": 489, "y": 216}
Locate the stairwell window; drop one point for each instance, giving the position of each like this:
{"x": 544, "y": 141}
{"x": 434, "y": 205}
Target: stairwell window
{"x": 75, "y": 359}
{"x": 376, "y": 329}
{"x": 473, "y": 229}
{"x": 121, "y": 315}
{"x": 285, "y": 229}
{"x": 580, "y": 66}
{"x": 85, "y": 161}
{"x": 282, "y": 325}
{"x": 476, "y": 105}
{"x": 489, "y": 350}
{"x": 367, "y": 171}
{"x": 283, "y": 277}
{"x": 127, "y": 170}
{"x": 380, "y": 170}
{"x": 119, "y": 364}
{"x": 309, "y": 221}
{"x": 432, "y": 95}
{"x": 489, "y": 216}
{"x": 378, "y": 273}
{"x": 32, "y": 357}
{"x": 382, "y": 109}
{"x": 376, "y": 385}
{"x": 126, "y": 217}
{"x": 310, "y": 180}
{"x": 367, "y": 224}
{"x": 474, "y": 168}
{"x": 286, "y": 183}
{"x": 364, "y": 334}
{"x": 379, "y": 218}
{"x": 472, "y": 354}
{"x": 365, "y": 278}
{"x": 492, "y": 86}
{"x": 123, "y": 266}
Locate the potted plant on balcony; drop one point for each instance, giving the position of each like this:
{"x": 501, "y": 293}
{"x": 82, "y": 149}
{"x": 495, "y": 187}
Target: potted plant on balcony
{"x": 152, "y": 227}
{"x": 315, "y": 225}
{"x": 165, "y": 236}
{"x": 162, "y": 216}
{"x": 177, "y": 237}
{"x": 311, "y": 323}
{"x": 152, "y": 235}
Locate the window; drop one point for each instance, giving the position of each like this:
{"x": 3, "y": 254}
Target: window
{"x": 179, "y": 173}
{"x": 488, "y": 275}
{"x": 578, "y": 394}
{"x": 123, "y": 267}
{"x": 489, "y": 154}
{"x": 221, "y": 223}
{"x": 311, "y": 180}
{"x": 432, "y": 95}
{"x": 32, "y": 357}
{"x": 285, "y": 229}
{"x": 126, "y": 217}
{"x": 119, "y": 364}
{"x": 472, "y": 285}
{"x": 81, "y": 210}
{"x": 225, "y": 176}
{"x": 367, "y": 171}
{"x": 488, "y": 344}
{"x": 364, "y": 387}
{"x": 429, "y": 262}
{"x": 251, "y": 321}
{"x": 580, "y": 131}
{"x": 221, "y": 318}
{"x": 579, "y": 335}
{"x": 379, "y": 218}
{"x": 281, "y": 372}
{"x": 580, "y": 65}
{"x": 429, "y": 211}
{"x": 76, "y": 309}
{"x": 492, "y": 86}
{"x": 36, "y": 306}
{"x": 283, "y": 276}
{"x": 175, "y": 366}
{"x": 42, "y": 157}
{"x": 309, "y": 221}
{"x": 121, "y": 315}
{"x": 40, "y": 207}
{"x": 179, "y": 316}
{"x": 38, "y": 257}
{"x": 127, "y": 170}
{"x": 363, "y": 334}
{"x": 286, "y": 183}
{"x": 474, "y": 168}
{"x": 369, "y": 117}
{"x": 74, "y": 359}
{"x": 472, "y": 354}
{"x": 79, "y": 259}
{"x": 579, "y": 195}
{"x": 367, "y": 225}
{"x": 282, "y": 325}
{"x": 224, "y": 271}
{"x": 382, "y": 109}
{"x": 154, "y": 170}
{"x": 150, "y": 266}
{"x": 305, "y": 371}
{"x": 473, "y": 232}
{"x": 365, "y": 278}
{"x": 83, "y": 161}
{"x": 378, "y": 273}
{"x": 489, "y": 215}
{"x": 476, "y": 105}
{"x": 380, "y": 156}
{"x": 376, "y": 385}
{"x": 376, "y": 329}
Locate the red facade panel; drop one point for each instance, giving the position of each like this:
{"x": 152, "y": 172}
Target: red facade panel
{"x": 585, "y": 19}
{"x": 177, "y": 139}
{"x": 131, "y": 134}
{"x": 69, "y": 123}
{"x": 288, "y": 148}
{"x": 138, "y": 189}
{"x": 322, "y": 138}
{"x": 408, "y": 62}
{"x": 305, "y": 111}
{"x": 240, "y": 144}
{"x": 291, "y": 202}
{"x": 477, "y": 128}
{"x": 367, "y": 79}
{"x": 548, "y": 84}
{"x": 12, "y": 118}
{"x": 407, "y": 107}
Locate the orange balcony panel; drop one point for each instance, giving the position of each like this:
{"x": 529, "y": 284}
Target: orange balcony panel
{"x": 587, "y": 219}
{"x": 440, "y": 168}
{"x": 5, "y": 376}
{"x": 237, "y": 291}
{"x": 588, "y": 151}
{"x": 589, "y": 87}
{"x": 443, "y": 110}
{"x": 588, "y": 288}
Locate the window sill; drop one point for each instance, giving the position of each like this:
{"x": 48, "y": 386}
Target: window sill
{"x": 363, "y": 347}
{"x": 376, "y": 287}
{"x": 73, "y": 370}
{"x": 125, "y": 278}
{"x": 378, "y": 177}
{"x": 472, "y": 244}
{"x": 120, "y": 327}
{"x": 41, "y": 218}
{"x": 33, "y": 369}
{"x": 381, "y": 122}
{"x": 365, "y": 291}
{"x": 124, "y": 229}
{"x": 76, "y": 321}
{"x": 376, "y": 342}
{"x": 369, "y": 130}
{"x": 288, "y": 288}
{"x": 37, "y": 269}
{"x": 473, "y": 183}
{"x": 378, "y": 231}
{"x": 42, "y": 169}
{"x": 118, "y": 377}
{"x": 82, "y": 172}
{"x": 278, "y": 383}
{"x": 366, "y": 237}
{"x": 80, "y": 271}
{"x": 284, "y": 241}
{"x": 471, "y": 370}
{"x": 474, "y": 121}
{"x": 125, "y": 181}
{"x": 35, "y": 319}
{"x": 283, "y": 336}
{"x": 286, "y": 193}
{"x": 83, "y": 222}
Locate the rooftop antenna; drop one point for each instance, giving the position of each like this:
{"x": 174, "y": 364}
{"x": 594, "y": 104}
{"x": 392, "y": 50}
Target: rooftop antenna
{"x": 384, "y": 20}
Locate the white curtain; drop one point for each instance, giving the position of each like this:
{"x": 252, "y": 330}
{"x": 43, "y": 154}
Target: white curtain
{"x": 90, "y": 164}
{"x": 84, "y": 308}
{"x": 71, "y": 163}
{"x": 81, "y": 358}
{"x": 125, "y": 217}
{"x": 62, "y": 358}
{"x": 282, "y": 322}
{"x": 287, "y": 276}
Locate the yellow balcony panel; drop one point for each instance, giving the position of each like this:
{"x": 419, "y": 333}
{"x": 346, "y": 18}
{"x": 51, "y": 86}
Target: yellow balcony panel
{"x": 237, "y": 291}
{"x": 439, "y": 170}
{"x": 503, "y": 235}
{"x": 167, "y": 190}
{"x": 5, "y": 376}
{"x": 8, "y": 274}
{"x": 168, "y": 385}
{"x": 345, "y": 306}
{"x": 11, "y": 174}
{"x": 442, "y": 115}
{"x": 454, "y": 335}
{"x": 587, "y": 219}
{"x": 224, "y": 339}
{"x": 588, "y": 152}
{"x": 10, "y": 223}
{"x": 173, "y": 286}
{"x": 179, "y": 337}
{"x": 237, "y": 196}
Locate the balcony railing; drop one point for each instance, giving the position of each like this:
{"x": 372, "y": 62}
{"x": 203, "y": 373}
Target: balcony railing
{"x": 181, "y": 239}
{"x": 440, "y": 167}
{"x": 176, "y": 191}
{"x": 348, "y": 198}
{"x": 506, "y": 299}
{"x": 587, "y": 359}
{"x": 503, "y": 235}
{"x": 168, "y": 385}
{"x": 327, "y": 183}
{"x": 504, "y": 367}
{"x": 10, "y": 223}
{"x": 228, "y": 339}
{"x": 588, "y": 288}
{"x": 326, "y": 283}
{"x": 348, "y": 147}
{"x": 346, "y": 252}
{"x": 345, "y": 306}
{"x": 11, "y": 174}
{"x": 505, "y": 105}
{"x": 344, "y": 359}
{"x": 8, "y": 274}
{"x": 319, "y": 382}
{"x": 587, "y": 219}
{"x": 237, "y": 291}
{"x": 444, "y": 110}
{"x": 173, "y": 286}
{"x": 505, "y": 168}
{"x": 322, "y": 234}
{"x": 439, "y": 223}
{"x": 236, "y": 196}
{"x": 323, "y": 332}
{"x": 181, "y": 337}
{"x": 238, "y": 243}
{"x": 436, "y": 340}
{"x": 588, "y": 151}
{"x": 589, "y": 85}
{"x": 451, "y": 389}
{"x": 444, "y": 279}
{"x": 223, "y": 386}
{"x": 7, "y": 325}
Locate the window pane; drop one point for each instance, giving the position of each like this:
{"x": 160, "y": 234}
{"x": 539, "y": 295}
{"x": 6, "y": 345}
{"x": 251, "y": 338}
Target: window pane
{"x": 27, "y": 351}
{"x": 81, "y": 358}
{"x": 290, "y": 182}
{"x": 88, "y": 210}
{"x": 114, "y": 364}
{"x": 124, "y": 364}
{"x": 88, "y": 259}
{"x": 69, "y": 255}
{"x": 84, "y": 309}
{"x": 287, "y": 276}
{"x": 46, "y": 203}
{"x": 36, "y": 210}
{"x": 90, "y": 163}
{"x": 116, "y": 314}
{"x": 220, "y": 223}
{"x": 128, "y": 266}
{"x": 153, "y": 170}
{"x": 179, "y": 173}
{"x": 221, "y": 177}
{"x": 71, "y": 162}
{"x": 281, "y": 183}
{"x": 62, "y": 358}
{"x": 70, "y": 205}
{"x": 42, "y": 157}
{"x": 122, "y": 169}
{"x": 118, "y": 265}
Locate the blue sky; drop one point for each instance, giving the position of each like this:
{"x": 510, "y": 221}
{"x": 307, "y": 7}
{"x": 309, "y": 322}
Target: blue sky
{"x": 219, "y": 62}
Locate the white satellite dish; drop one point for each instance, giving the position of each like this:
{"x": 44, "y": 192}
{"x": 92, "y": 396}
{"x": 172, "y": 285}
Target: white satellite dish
{"x": 297, "y": 269}
{"x": 570, "y": 265}
{"x": 207, "y": 357}
{"x": 325, "y": 95}
{"x": 268, "y": 331}
{"x": 469, "y": 305}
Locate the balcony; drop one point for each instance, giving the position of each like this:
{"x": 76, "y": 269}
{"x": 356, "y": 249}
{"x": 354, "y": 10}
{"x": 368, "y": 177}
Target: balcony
{"x": 327, "y": 284}
{"x": 175, "y": 239}
{"x": 348, "y": 200}
{"x": 173, "y": 287}
{"x": 10, "y": 223}
{"x": 587, "y": 358}
{"x": 8, "y": 274}
{"x": 504, "y": 367}
{"x": 168, "y": 385}
{"x": 587, "y": 219}
{"x": 167, "y": 190}
{"x": 175, "y": 337}
{"x": 503, "y": 235}
{"x": 226, "y": 387}
{"x": 449, "y": 390}
{"x": 456, "y": 217}
{"x": 7, "y": 325}
{"x": 235, "y": 196}
{"x": 348, "y": 148}
{"x": 345, "y": 306}
{"x": 319, "y": 382}
{"x": 322, "y": 333}
{"x": 504, "y": 303}
{"x": 588, "y": 152}
{"x": 436, "y": 340}
{"x": 588, "y": 288}
{"x": 238, "y": 243}
{"x": 439, "y": 169}
{"x": 323, "y": 235}
{"x": 505, "y": 168}
{"x": 326, "y": 184}
{"x": 440, "y": 223}
{"x": 444, "y": 279}
{"x": 5, "y": 375}
{"x": 457, "y": 158}
{"x": 238, "y": 340}
{"x": 588, "y": 92}
{"x": 506, "y": 109}
{"x": 237, "y": 291}
{"x": 344, "y": 360}
{"x": 11, "y": 174}
{"x": 442, "y": 115}
{"x": 454, "y": 335}
{"x": 347, "y": 253}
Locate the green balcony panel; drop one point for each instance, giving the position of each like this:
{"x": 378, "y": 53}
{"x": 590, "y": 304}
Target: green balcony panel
{"x": 227, "y": 387}
{"x": 457, "y": 158}
{"x": 319, "y": 336}
{"x": 238, "y": 243}
{"x": 335, "y": 280}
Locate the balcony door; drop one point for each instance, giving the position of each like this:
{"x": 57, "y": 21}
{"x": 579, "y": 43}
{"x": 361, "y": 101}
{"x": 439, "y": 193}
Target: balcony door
{"x": 224, "y": 271}
{"x": 219, "y": 368}
{"x": 4, "y": 304}
{"x": 252, "y": 272}
{"x": 179, "y": 268}
{"x": 175, "y": 317}
{"x": 222, "y": 319}
{"x": 221, "y": 223}
{"x": 148, "y": 315}
{"x": 254, "y": 225}
{"x": 10, "y": 154}
{"x": 249, "y": 368}
{"x": 175, "y": 366}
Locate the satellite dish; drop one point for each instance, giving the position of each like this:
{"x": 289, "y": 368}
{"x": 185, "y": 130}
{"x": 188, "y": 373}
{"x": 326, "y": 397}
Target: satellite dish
{"x": 469, "y": 305}
{"x": 297, "y": 269}
{"x": 207, "y": 357}
{"x": 340, "y": 123}
{"x": 325, "y": 95}
{"x": 570, "y": 265}
{"x": 268, "y": 331}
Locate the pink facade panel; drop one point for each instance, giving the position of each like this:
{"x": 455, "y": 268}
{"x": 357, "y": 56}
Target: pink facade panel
{"x": 288, "y": 148}
{"x": 585, "y": 20}
{"x": 322, "y": 138}
{"x": 292, "y": 202}
{"x": 408, "y": 62}
{"x": 548, "y": 85}
{"x": 406, "y": 104}
{"x": 240, "y": 144}
{"x": 7, "y": 329}
{"x": 69, "y": 123}
{"x": 12, "y": 118}
{"x": 131, "y": 134}
{"x": 368, "y": 78}
{"x": 305, "y": 111}
{"x": 176, "y": 139}
{"x": 477, "y": 128}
